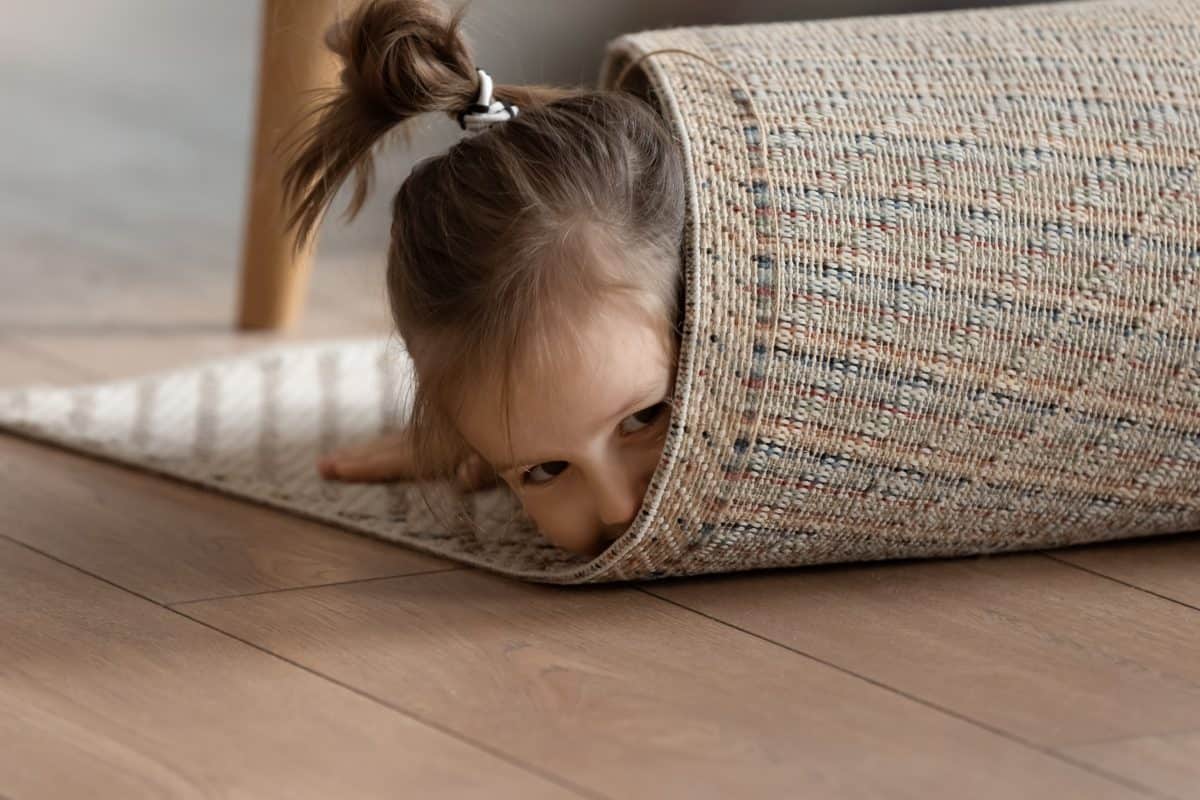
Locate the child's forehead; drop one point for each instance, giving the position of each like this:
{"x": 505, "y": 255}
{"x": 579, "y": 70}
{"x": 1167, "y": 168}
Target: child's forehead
{"x": 601, "y": 355}
{"x": 567, "y": 393}
{"x": 586, "y": 343}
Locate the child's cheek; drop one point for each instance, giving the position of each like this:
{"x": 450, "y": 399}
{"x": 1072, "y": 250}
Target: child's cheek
{"x": 560, "y": 520}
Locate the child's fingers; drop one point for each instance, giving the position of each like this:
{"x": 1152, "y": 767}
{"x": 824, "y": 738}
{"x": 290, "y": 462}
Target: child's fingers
{"x": 473, "y": 474}
{"x": 370, "y": 466}
{"x": 392, "y": 442}
{"x": 387, "y": 457}
{"x": 390, "y": 459}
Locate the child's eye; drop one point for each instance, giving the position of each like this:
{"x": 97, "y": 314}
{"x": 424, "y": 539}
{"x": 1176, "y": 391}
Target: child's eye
{"x": 543, "y": 473}
{"x": 643, "y": 418}
{"x": 547, "y": 471}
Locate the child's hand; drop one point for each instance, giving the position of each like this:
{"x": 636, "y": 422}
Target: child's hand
{"x": 385, "y": 458}
{"x": 473, "y": 474}
{"x": 390, "y": 458}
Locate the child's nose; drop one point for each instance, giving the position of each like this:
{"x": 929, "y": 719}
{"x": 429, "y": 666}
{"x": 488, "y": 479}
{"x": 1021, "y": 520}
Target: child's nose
{"x": 620, "y": 497}
{"x": 618, "y": 508}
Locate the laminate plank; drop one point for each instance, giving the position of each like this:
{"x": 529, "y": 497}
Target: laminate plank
{"x": 1021, "y": 643}
{"x": 112, "y": 355}
{"x": 22, "y": 366}
{"x": 169, "y": 541}
{"x": 103, "y": 694}
{"x": 633, "y": 697}
{"x": 133, "y": 328}
{"x": 1165, "y": 565}
{"x": 1168, "y": 764}
{"x": 55, "y": 280}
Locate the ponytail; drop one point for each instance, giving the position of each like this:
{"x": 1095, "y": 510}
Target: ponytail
{"x": 401, "y": 58}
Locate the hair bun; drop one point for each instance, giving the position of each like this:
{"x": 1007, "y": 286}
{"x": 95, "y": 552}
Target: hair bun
{"x": 400, "y": 58}
{"x": 403, "y": 58}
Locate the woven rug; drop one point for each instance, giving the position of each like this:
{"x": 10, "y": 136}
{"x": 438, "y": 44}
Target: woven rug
{"x": 253, "y": 426}
{"x": 943, "y": 298}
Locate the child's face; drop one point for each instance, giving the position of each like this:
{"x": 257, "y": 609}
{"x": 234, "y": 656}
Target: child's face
{"x": 586, "y": 443}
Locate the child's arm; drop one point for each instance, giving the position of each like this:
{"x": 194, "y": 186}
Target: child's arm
{"x": 390, "y": 458}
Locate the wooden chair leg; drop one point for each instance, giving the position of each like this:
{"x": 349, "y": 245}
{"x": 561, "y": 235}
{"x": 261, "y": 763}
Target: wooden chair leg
{"x": 293, "y": 60}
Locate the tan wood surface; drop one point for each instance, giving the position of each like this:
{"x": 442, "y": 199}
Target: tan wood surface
{"x": 632, "y": 696}
{"x": 1165, "y": 565}
{"x": 1050, "y": 654}
{"x": 22, "y": 365}
{"x": 169, "y": 541}
{"x": 104, "y": 694}
{"x": 1167, "y": 764}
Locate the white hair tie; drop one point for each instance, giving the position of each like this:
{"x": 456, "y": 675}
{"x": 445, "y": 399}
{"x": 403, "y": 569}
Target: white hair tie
{"x": 485, "y": 111}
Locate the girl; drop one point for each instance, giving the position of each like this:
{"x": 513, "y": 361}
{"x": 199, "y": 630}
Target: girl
{"x": 533, "y": 272}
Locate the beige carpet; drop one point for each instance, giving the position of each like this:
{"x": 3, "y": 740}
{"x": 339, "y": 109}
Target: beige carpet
{"x": 253, "y": 426}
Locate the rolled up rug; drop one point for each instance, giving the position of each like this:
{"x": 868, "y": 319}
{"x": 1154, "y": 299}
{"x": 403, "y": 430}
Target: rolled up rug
{"x": 941, "y": 299}
{"x": 954, "y": 310}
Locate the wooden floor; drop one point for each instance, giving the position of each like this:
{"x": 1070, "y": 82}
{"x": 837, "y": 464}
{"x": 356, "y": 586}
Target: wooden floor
{"x": 157, "y": 640}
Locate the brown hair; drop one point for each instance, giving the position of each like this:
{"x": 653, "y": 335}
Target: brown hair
{"x": 495, "y": 245}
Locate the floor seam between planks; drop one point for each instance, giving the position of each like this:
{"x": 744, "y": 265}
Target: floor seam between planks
{"x": 448, "y": 731}
{"x": 1142, "y": 737}
{"x": 1091, "y": 571}
{"x": 500, "y": 754}
{"x": 78, "y": 568}
{"x": 280, "y": 590}
{"x": 285, "y": 589}
{"x": 1047, "y": 751}
{"x": 25, "y": 347}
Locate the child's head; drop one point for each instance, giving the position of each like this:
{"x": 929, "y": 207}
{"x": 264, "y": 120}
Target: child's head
{"x": 533, "y": 270}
